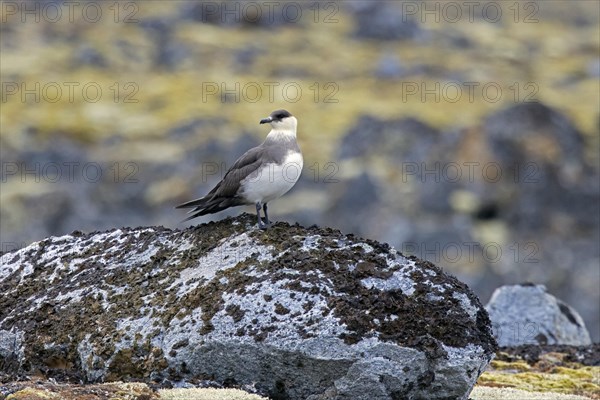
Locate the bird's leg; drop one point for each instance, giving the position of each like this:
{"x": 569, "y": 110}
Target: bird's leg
{"x": 260, "y": 223}
{"x": 267, "y": 222}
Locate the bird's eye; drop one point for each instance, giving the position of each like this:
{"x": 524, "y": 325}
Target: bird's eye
{"x": 280, "y": 116}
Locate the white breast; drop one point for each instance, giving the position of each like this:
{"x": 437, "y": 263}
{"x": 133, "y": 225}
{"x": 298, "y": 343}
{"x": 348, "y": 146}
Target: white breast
{"x": 273, "y": 180}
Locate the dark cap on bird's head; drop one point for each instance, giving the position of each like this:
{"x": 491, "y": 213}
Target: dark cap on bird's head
{"x": 276, "y": 116}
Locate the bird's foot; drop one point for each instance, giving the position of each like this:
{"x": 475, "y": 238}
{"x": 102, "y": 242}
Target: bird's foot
{"x": 264, "y": 225}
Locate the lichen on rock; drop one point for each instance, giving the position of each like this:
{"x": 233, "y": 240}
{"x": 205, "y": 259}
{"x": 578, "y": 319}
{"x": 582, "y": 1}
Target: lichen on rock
{"x": 301, "y": 313}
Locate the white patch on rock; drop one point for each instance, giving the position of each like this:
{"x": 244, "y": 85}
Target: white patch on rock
{"x": 181, "y": 330}
{"x": 400, "y": 279}
{"x": 231, "y": 251}
{"x": 366, "y": 247}
{"x": 11, "y": 345}
{"x": 7, "y": 267}
{"x": 93, "y": 365}
{"x": 130, "y": 327}
{"x": 311, "y": 243}
{"x": 266, "y": 304}
{"x": 433, "y": 297}
{"x": 467, "y": 304}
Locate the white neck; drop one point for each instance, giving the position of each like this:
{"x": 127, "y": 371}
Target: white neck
{"x": 280, "y": 134}
{"x": 283, "y": 130}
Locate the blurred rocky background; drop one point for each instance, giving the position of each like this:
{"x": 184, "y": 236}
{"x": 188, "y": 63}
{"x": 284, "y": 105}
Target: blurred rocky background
{"x": 465, "y": 134}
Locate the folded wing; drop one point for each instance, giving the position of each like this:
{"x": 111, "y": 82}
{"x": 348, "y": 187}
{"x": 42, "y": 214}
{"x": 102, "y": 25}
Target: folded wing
{"x": 227, "y": 192}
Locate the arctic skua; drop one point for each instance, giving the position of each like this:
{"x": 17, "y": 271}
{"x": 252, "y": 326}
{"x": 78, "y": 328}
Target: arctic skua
{"x": 260, "y": 175}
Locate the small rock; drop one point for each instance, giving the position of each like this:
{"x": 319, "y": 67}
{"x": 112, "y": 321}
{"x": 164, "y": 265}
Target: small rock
{"x": 527, "y": 314}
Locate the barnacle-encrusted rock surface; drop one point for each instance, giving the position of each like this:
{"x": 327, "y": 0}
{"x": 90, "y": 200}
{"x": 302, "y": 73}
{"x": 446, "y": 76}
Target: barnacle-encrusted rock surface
{"x": 301, "y": 313}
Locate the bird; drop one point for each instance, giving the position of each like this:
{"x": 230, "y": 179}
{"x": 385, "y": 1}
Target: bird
{"x": 262, "y": 174}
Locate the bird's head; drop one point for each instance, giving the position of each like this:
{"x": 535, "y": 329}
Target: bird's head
{"x": 281, "y": 120}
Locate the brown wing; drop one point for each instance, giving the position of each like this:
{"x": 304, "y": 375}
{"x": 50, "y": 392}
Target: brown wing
{"x": 249, "y": 162}
{"x": 225, "y": 193}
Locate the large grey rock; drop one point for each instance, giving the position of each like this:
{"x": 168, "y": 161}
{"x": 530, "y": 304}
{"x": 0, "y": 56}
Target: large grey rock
{"x": 527, "y": 314}
{"x": 299, "y": 313}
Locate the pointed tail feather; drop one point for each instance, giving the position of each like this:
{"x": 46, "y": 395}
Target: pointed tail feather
{"x": 194, "y": 203}
{"x": 190, "y": 217}
{"x": 208, "y": 205}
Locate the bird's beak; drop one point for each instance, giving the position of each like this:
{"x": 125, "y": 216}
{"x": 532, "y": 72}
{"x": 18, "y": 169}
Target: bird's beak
{"x": 266, "y": 120}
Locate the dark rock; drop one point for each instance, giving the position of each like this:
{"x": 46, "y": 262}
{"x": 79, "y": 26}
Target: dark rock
{"x": 244, "y": 142}
{"x": 195, "y": 127}
{"x": 461, "y": 41}
{"x": 169, "y": 53}
{"x": 527, "y": 314}
{"x": 389, "y": 67}
{"x": 157, "y": 26}
{"x": 406, "y": 139}
{"x": 512, "y": 130}
{"x": 539, "y": 154}
{"x": 360, "y": 193}
{"x": 89, "y": 56}
{"x": 354, "y": 202}
{"x": 246, "y": 13}
{"x": 382, "y": 20}
{"x": 185, "y": 130}
{"x": 207, "y": 163}
{"x": 300, "y": 313}
{"x": 487, "y": 211}
{"x": 43, "y": 158}
{"x": 52, "y": 211}
{"x": 245, "y": 57}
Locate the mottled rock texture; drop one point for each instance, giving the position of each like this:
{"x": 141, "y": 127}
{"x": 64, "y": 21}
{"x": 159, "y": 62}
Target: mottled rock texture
{"x": 527, "y": 314}
{"x": 300, "y": 313}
